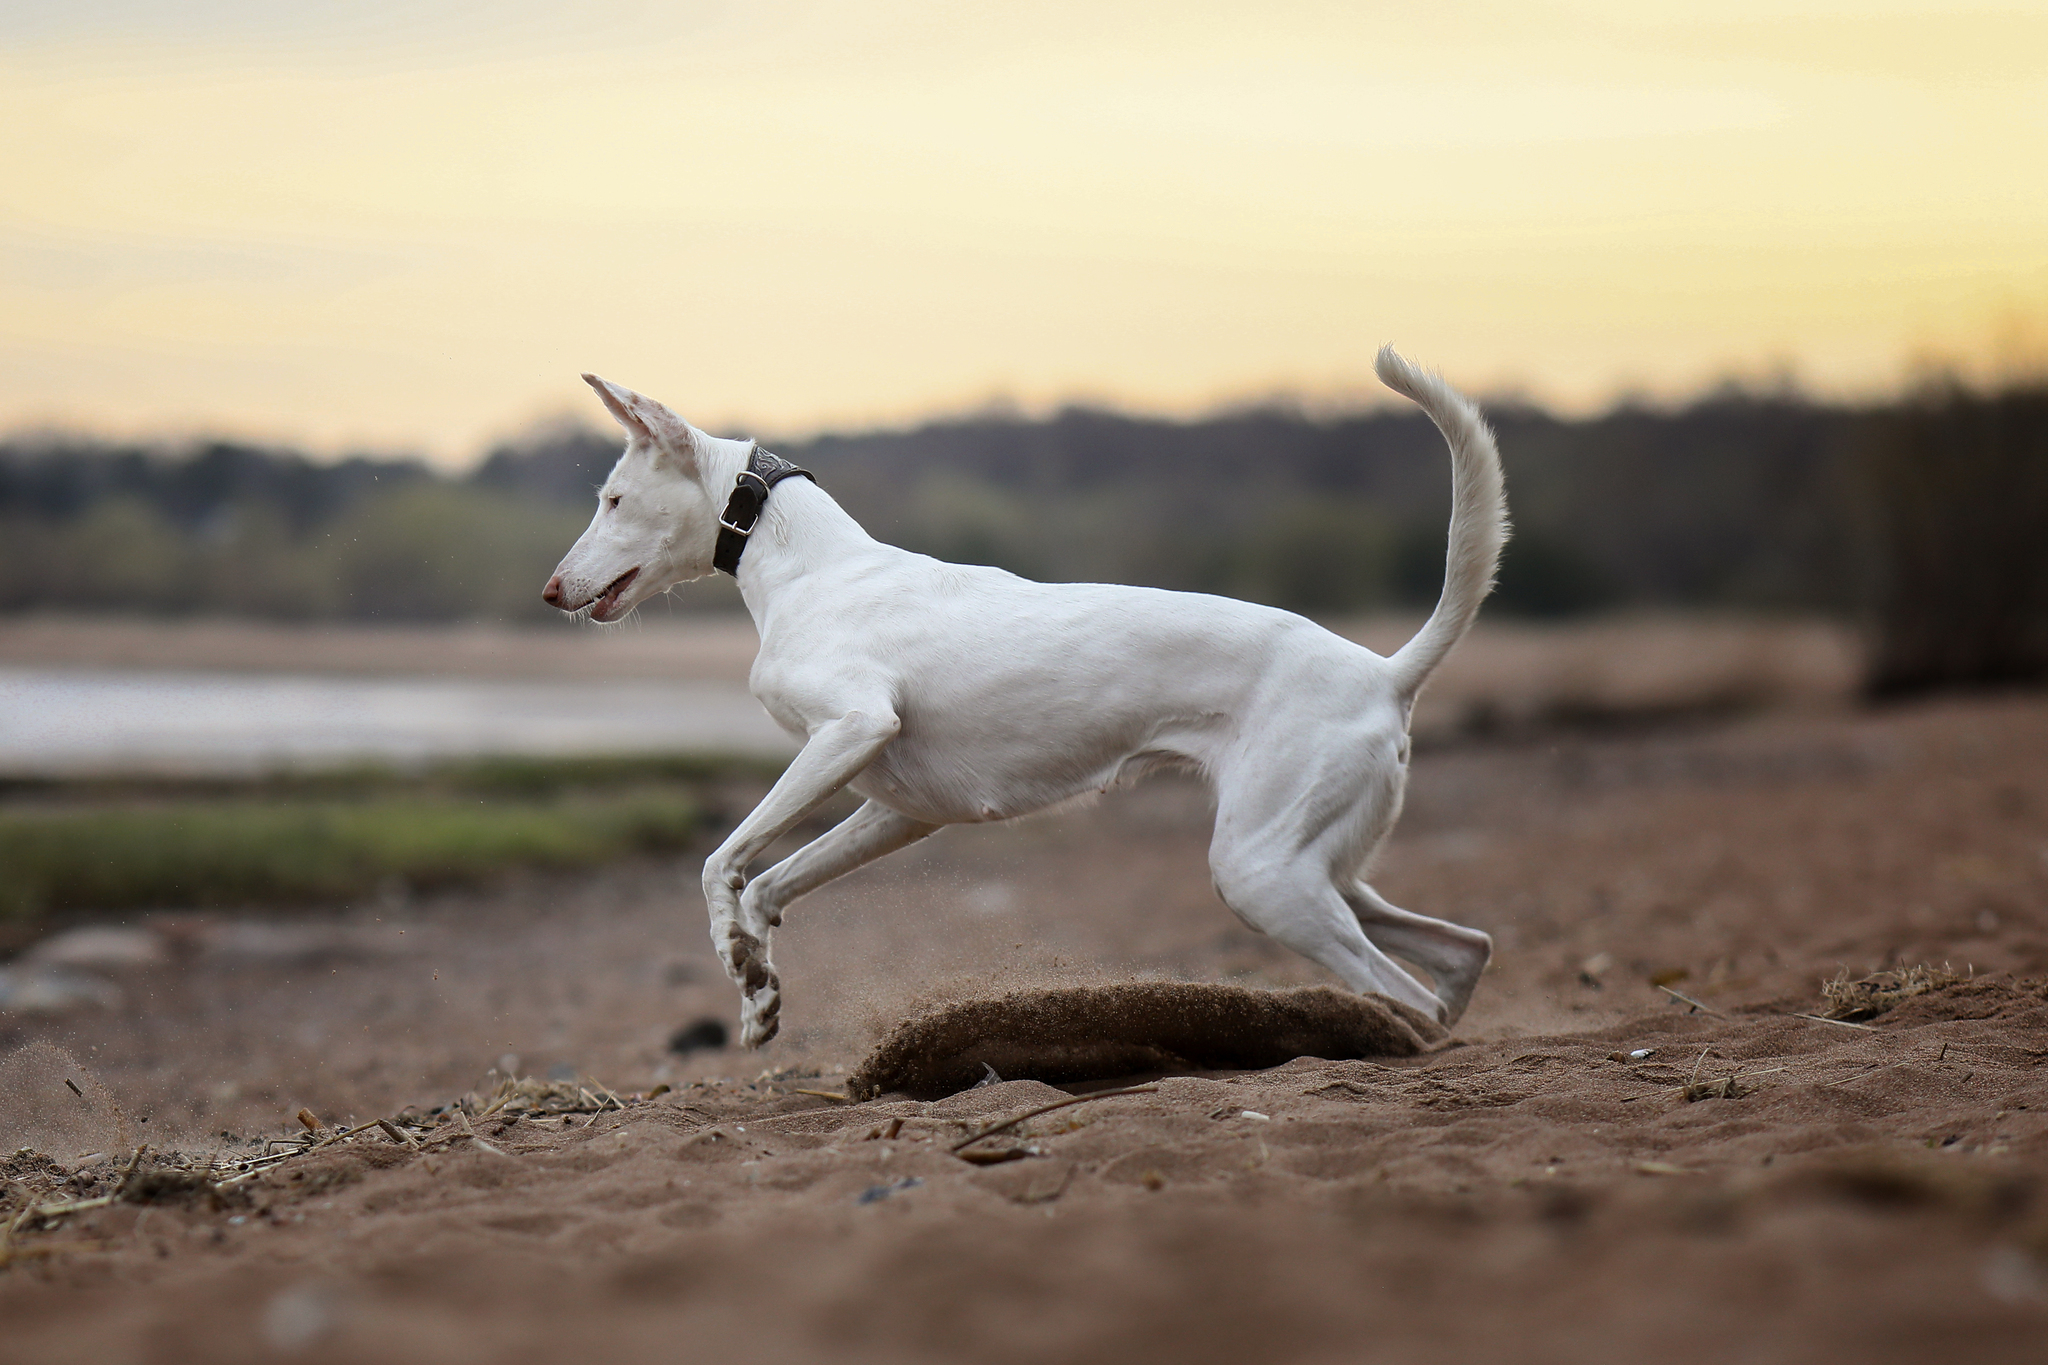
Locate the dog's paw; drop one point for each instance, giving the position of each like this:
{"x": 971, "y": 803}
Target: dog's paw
{"x": 745, "y": 959}
{"x": 761, "y": 1014}
{"x": 1455, "y": 986}
{"x": 1453, "y": 994}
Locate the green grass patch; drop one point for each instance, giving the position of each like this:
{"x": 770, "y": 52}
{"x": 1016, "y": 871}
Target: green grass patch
{"x": 246, "y": 850}
{"x": 495, "y": 777}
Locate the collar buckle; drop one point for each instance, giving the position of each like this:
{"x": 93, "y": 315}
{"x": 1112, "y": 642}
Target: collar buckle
{"x": 743, "y": 509}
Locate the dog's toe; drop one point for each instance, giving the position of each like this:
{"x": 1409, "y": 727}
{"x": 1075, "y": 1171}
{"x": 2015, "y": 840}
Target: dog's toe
{"x": 761, "y": 1013}
{"x": 757, "y": 1028}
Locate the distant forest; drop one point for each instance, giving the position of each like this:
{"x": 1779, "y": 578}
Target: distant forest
{"x": 1739, "y": 501}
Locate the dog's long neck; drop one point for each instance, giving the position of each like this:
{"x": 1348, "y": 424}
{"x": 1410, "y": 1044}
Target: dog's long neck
{"x": 801, "y": 538}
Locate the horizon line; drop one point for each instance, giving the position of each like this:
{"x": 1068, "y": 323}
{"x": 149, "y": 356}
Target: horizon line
{"x": 1328, "y": 408}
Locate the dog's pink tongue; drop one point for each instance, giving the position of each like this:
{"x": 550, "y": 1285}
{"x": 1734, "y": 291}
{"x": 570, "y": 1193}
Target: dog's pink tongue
{"x": 610, "y": 601}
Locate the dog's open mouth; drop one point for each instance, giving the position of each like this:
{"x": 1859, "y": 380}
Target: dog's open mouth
{"x": 604, "y": 606}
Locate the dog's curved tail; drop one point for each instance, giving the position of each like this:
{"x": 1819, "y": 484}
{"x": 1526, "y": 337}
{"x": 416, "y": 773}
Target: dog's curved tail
{"x": 1479, "y": 519}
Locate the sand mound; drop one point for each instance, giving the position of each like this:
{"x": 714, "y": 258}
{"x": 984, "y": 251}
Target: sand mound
{"x": 2018, "y": 1001}
{"x": 1874, "y": 995}
{"x": 1081, "y": 1033}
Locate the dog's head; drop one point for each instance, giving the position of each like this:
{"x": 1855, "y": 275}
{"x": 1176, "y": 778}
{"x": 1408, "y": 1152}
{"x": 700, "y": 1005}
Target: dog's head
{"x": 657, "y": 521}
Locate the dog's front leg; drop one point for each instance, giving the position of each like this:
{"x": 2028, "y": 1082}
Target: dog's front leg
{"x": 869, "y": 833}
{"x": 834, "y": 756}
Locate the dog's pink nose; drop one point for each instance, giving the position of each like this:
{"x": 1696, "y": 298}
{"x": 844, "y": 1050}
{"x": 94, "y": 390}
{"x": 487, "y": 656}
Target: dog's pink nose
{"x": 552, "y": 593}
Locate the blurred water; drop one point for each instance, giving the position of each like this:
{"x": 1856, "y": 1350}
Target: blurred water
{"x": 75, "y": 721}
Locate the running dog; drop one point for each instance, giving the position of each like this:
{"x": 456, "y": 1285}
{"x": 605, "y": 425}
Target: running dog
{"x": 946, "y": 693}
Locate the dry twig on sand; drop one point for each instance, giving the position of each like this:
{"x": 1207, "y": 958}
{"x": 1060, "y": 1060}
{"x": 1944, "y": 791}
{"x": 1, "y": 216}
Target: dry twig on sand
{"x": 994, "y": 1128}
{"x": 1839, "y": 1023}
{"x": 523, "y": 1095}
{"x": 462, "y": 1122}
{"x": 1727, "y": 1087}
{"x": 1695, "y": 1091}
{"x": 215, "y": 1172}
{"x": 1681, "y": 995}
{"x": 36, "y": 1213}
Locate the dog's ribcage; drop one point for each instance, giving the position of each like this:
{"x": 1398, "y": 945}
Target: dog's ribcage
{"x": 1015, "y": 695}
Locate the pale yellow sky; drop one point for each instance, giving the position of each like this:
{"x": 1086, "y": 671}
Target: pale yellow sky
{"x": 410, "y": 226}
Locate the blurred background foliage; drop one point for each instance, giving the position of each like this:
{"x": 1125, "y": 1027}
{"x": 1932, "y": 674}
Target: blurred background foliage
{"x": 1954, "y": 492}
{"x": 1923, "y": 516}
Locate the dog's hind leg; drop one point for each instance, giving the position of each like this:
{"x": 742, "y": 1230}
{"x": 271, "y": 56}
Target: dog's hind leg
{"x": 1289, "y": 894}
{"x": 869, "y": 833}
{"x": 1451, "y": 953}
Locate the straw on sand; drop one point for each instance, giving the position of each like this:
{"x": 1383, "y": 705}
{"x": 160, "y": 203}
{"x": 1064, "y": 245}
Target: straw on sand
{"x": 1849, "y": 1001}
{"x": 44, "y": 1207}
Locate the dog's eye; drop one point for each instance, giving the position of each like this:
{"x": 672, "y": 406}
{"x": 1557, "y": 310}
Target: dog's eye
{"x": 612, "y": 501}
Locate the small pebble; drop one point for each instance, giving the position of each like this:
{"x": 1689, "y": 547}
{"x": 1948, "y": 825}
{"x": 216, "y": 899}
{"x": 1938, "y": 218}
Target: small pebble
{"x": 876, "y": 1193}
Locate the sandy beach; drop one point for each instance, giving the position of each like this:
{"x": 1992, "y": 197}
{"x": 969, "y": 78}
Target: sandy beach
{"x": 1637, "y": 1143}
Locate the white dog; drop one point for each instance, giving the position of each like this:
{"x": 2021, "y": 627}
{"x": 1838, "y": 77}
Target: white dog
{"x": 945, "y": 693}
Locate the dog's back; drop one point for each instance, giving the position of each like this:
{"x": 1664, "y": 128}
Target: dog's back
{"x": 1015, "y": 695}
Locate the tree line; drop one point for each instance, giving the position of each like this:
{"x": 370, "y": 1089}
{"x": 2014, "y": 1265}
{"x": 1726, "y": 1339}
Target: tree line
{"x": 1922, "y": 516}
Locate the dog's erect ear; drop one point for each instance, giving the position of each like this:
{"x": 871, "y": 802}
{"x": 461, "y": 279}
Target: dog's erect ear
{"x": 643, "y": 416}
